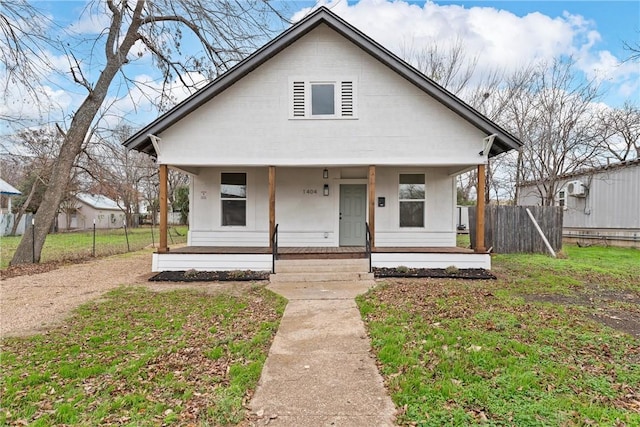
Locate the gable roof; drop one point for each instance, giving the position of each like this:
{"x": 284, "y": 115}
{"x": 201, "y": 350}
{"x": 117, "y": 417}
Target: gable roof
{"x": 98, "y": 201}
{"x": 7, "y": 189}
{"x": 503, "y": 141}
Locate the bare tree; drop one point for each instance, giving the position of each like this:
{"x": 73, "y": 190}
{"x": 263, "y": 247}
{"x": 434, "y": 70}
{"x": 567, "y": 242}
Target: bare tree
{"x": 554, "y": 117}
{"x": 227, "y": 31}
{"x": 450, "y": 67}
{"x": 34, "y": 150}
{"x": 618, "y": 131}
{"x": 118, "y": 173}
{"x": 634, "y": 50}
{"x": 23, "y": 51}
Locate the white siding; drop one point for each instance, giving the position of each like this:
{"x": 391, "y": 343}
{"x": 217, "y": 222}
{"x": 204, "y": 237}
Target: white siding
{"x": 210, "y": 262}
{"x": 263, "y": 262}
{"x": 439, "y": 227}
{"x": 250, "y": 122}
{"x": 418, "y": 260}
{"x": 612, "y": 201}
{"x": 205, "y": 226}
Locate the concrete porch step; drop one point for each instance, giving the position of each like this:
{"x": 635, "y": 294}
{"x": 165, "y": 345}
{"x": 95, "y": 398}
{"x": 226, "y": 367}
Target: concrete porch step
{"x": 324, "y": 276}
{"x": 322, "y": 266}
{"x": 319, "y": 266}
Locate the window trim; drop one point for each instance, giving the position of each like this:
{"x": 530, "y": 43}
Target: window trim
{"x": 245, "y": 199}
{"x": 344, "y": 98}
{"x": 423, "y": 201}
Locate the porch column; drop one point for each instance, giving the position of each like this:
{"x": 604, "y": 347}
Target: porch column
{"x": 480, "y": 245}
{"x": 272, "y": 203}
{"x": 372, "y": 204}
{"x": 163, "y": 209}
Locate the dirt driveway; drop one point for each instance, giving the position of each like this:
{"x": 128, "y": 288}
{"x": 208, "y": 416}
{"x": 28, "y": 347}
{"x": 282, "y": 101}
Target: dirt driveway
{"x": 32, "y": 304}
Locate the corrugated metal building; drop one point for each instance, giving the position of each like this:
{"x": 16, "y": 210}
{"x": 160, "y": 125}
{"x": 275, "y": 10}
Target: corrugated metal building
{"x": 602, "y": 205}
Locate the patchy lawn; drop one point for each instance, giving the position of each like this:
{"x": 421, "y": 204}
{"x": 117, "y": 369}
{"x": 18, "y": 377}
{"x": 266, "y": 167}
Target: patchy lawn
{"x": 542, "y": 345}
{"x": 142, "y": 358}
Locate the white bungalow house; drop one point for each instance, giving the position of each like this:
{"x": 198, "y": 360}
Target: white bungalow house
{"x": 89, "y": 209}
{"x": 321, "y": 143}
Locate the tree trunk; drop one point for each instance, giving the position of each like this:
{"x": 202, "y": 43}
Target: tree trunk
{"x": 28, "y": 251}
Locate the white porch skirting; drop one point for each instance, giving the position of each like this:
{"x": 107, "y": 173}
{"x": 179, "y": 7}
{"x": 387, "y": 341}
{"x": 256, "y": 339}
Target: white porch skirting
{"x": 210, "y": 262}
{"x": 430, "y": 260}
{"x": 263, "y": 261}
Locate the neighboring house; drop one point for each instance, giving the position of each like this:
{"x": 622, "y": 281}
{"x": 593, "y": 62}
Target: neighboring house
{"x": 7, "y": 191}
{"x": 600, "y": 204}
{"x": 88, "y": 208}
{"x": 317, "y": 135}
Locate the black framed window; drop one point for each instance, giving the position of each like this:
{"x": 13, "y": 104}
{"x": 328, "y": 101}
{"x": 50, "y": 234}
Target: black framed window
{"x": 233, "y": 198}
{"x": 411, "y": 195}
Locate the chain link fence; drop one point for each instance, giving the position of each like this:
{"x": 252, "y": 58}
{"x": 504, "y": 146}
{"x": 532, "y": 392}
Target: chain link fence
{"x": 78, "y": 245}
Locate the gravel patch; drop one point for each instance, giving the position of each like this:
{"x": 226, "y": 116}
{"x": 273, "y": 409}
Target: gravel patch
{"x": 34, "y": 303}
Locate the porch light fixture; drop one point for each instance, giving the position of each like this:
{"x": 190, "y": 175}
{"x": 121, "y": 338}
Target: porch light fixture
{"x": 325, "y": 190}
{"x": 325, "y": 173}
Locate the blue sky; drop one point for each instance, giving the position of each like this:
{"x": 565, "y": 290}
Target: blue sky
{"x": 503, "y": 34}
{"x": 510, "y": 33}
{"x": 616, "y": 21}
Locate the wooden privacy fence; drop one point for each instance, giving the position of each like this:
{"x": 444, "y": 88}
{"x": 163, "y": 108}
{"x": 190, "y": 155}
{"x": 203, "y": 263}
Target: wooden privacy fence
{"x": 508, "y": 229}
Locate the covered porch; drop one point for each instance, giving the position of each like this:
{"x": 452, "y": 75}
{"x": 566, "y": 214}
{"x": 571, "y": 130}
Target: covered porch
{"x": 235, "y": 254}
{"x": 230, "y": 252}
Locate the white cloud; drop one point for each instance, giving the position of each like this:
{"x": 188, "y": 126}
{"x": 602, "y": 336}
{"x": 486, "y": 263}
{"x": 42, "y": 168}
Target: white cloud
{"x": 500, "y": 39}
{"x": 94, "y": 19}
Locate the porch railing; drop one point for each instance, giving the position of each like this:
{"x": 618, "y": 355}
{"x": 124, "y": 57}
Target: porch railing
{"x": 368, "y": 245}
{"x": 274, "y": 249}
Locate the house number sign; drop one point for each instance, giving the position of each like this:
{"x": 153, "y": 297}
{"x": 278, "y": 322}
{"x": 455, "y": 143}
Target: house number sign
{"x": 310, "y": 191}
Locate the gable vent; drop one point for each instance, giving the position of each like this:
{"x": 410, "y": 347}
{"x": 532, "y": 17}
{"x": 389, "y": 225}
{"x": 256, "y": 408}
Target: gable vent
{"x": 298, "y": 99}
{"x": 346, "y": 96}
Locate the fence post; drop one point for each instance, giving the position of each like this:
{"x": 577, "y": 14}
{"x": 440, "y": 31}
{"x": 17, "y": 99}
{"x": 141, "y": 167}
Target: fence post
{"x": 93, "y": 251}
{"x": 33, "y": 240}
{"x": 126, "y": 235}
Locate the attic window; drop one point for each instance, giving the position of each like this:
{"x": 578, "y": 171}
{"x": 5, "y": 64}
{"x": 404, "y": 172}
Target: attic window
{"x": 322, "y": 99}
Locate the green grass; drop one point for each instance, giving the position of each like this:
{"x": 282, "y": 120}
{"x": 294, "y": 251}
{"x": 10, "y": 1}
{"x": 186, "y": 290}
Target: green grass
{"x": 462, "y": 241}
{"x": 142, "y": 358}
{"x": 574, "y": 268}
{"x": 79, "y": 245}
{"x": 481, "y": 352}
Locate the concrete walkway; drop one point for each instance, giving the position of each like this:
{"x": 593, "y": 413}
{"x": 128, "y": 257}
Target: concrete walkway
{"x": 319, "y": 371}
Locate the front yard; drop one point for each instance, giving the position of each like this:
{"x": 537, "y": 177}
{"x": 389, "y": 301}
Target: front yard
{"x": 531, "y": 348}
{"x": 550, "y": 342}
{"x": 142, "y": 358}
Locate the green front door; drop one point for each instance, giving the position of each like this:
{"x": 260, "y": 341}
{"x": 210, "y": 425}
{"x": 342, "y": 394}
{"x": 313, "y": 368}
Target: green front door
{"x": 353, "y": 211}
